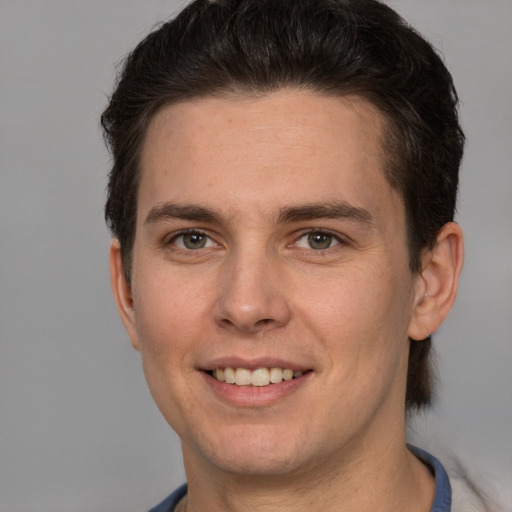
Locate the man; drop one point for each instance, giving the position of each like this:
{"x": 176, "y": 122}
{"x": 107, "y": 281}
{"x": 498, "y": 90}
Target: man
{"x": 282, "y": 198}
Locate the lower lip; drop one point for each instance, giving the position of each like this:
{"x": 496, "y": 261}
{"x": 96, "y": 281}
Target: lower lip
{"x": 255, "y": 396}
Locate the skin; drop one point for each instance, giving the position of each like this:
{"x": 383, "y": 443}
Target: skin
{"x": 242, "y": 174}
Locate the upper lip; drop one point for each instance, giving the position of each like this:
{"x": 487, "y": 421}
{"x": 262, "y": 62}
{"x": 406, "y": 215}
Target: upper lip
{"x": 253, "y": 363}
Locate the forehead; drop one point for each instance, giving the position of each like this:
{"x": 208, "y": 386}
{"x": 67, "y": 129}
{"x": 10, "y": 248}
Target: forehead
{"x": 241, "y": 151}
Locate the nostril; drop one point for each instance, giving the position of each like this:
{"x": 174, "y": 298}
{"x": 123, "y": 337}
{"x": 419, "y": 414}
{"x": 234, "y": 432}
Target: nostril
{"x": 246, "y": 325}
{"x": 251, "y": 315}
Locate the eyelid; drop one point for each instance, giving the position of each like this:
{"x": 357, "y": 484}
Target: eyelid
{"x": 341, "y": 239}
{"x": 169, "y": 240}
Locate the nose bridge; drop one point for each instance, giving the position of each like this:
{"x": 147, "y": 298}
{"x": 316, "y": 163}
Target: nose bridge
{"x": 251, "y": 297}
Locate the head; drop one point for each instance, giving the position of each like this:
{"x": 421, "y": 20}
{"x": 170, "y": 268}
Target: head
{"x": 337, "y": 48}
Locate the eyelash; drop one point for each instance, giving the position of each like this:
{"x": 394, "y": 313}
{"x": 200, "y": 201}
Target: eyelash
{"x": 334, "y": 238}
{"x": 183, "y": 233}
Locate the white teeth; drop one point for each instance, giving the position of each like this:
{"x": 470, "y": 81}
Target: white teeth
{"x": 229, "y": 375}
{"x": 242, "y": 377}
{"x": 276, "y": 375}
{"x": 287, "y": 374}
{"x": 259, "y": 377}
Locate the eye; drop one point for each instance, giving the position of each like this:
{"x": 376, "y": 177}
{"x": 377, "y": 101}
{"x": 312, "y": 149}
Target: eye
{"x": 317, "y": 240}
{"x": 192, "y": 240}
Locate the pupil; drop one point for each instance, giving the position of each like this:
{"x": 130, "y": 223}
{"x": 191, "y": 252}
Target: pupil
{"x": 319, "y": 240}
{"x": 194, "y": 241}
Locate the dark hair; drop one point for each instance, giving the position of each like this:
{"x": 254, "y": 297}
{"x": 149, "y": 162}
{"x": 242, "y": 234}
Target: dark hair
{"x": 333, "y": 47}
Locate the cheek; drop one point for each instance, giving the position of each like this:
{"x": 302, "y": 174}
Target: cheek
{"x": 364, "y": 324}
{"x": 363, "y": 297}
{"x": 365, "y": 337}
{"x": 167, "y": 306}
{"x": 170, "y": 326}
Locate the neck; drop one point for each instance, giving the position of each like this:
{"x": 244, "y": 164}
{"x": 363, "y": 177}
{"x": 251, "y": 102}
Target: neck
{"x": 390, "y": 479}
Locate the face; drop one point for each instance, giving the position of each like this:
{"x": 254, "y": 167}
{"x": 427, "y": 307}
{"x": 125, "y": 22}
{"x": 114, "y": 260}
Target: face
{"x": 271, "y": 251}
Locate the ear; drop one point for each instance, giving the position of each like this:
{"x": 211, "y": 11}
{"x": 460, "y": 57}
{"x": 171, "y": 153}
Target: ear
{"x": 438, "y": 282}
{"x": 122, "y": 292}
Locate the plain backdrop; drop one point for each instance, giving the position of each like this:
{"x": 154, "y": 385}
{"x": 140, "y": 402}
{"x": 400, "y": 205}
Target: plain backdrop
{"x": 78, "y": 430}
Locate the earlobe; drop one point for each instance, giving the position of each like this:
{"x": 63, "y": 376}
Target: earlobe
{"x": 439, "y": 282}
{"x": 122, "y": 292}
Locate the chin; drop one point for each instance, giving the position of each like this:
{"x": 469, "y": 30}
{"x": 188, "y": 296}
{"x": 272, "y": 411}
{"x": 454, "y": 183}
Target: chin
{"x": 254, "y": 453}
{"x": 259, "y": 465}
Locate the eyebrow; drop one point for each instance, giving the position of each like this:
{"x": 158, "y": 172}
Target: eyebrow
{"x": 182, "y": 211}
{"x": 307, "y": 212}
{"x": 335, "y": 210}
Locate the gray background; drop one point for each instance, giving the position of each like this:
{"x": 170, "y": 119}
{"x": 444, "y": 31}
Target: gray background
{"x": 78, "y": 429}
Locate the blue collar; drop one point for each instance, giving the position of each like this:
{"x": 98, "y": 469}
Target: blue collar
{"x": 443, "y": 496}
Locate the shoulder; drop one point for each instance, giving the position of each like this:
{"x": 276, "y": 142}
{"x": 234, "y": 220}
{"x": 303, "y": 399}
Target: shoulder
{"x": 466, "y": 493}
{"x": 469, "y": 496}
{"x": 464, "y": 500}
{"x": 171, "y": 501}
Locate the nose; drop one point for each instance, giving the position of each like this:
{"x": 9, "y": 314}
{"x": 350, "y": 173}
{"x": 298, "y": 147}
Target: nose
{"x": 252, "y": 297}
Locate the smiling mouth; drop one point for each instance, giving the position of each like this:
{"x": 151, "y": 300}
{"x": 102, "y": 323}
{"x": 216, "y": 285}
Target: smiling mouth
{"x": 259, "y": 377}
